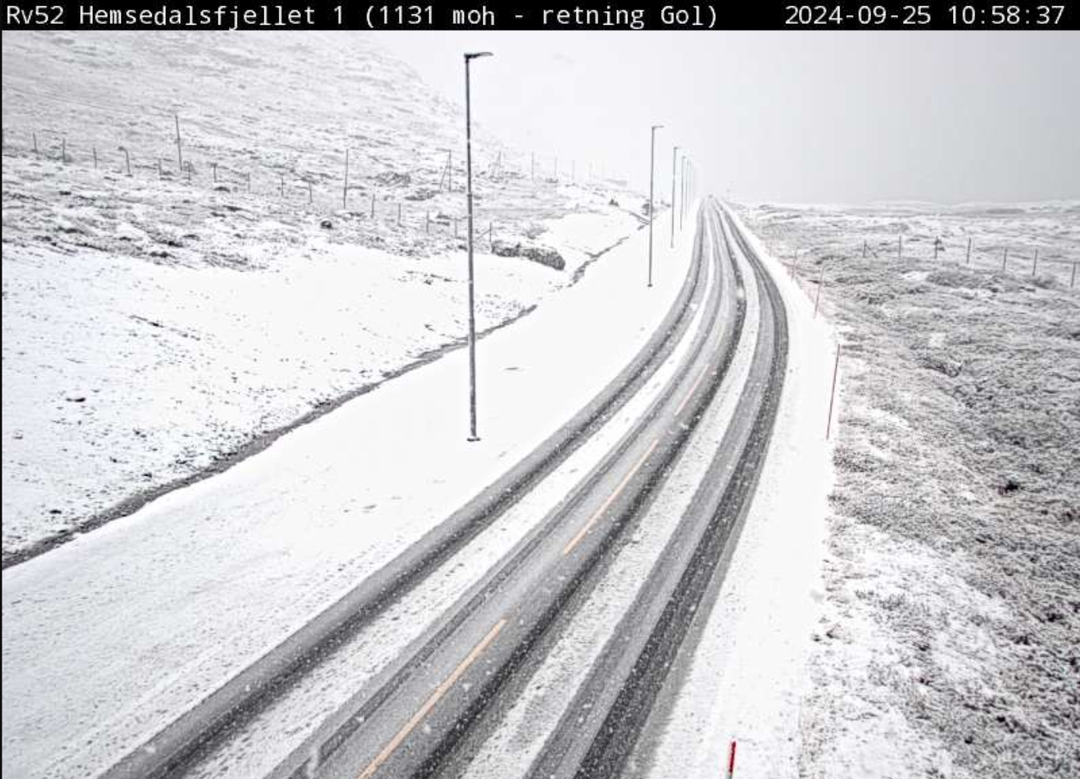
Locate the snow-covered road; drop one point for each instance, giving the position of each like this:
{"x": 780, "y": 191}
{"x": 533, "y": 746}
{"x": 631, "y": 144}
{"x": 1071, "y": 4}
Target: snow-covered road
{"x": 123, "y": 629}
{"x": 130, "y": 630}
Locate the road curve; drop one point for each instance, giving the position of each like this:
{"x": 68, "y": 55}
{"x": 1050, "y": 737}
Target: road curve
{"x": 171, "y": 750}
{"x": 409, "y": 721}
{"x": 599, "y": 729}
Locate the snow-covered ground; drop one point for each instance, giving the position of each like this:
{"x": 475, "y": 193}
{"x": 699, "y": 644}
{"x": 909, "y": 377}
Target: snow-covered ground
{"x": 263, "y": 743}
{"x": 147, "y": 632}
{"x": 745, "y": 678}
{"x": 176, "y": 323}
{"x": 157, "y": 329}
{"x": 946, "y": 643}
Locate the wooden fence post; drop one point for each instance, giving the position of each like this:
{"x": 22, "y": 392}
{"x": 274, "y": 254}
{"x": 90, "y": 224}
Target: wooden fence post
{"x": 832, "y": 393}
{"x": 820, "y": 284}
{"x": 179, "y": 153}
{"x": 1035, "y": 263}
{"x": 345, "y": 189}
{"x": 969, "y": 252}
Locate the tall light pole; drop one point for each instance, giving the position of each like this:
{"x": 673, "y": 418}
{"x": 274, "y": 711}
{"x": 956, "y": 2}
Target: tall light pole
{"x": 674, "y": 156}
{"x": 472, "y": 287}
{"x": 682, "y": 179}
{"x": 652, "y": 171}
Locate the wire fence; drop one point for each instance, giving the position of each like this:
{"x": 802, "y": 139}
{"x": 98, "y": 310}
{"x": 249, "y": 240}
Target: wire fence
{"x": 394, "y": 197}
{"x": 1022, "y": 260}
{"x": 1017, "y": 260}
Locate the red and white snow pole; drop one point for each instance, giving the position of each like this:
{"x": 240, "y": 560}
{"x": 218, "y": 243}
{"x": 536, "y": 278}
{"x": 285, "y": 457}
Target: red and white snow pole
{"x": 731, "y": 760}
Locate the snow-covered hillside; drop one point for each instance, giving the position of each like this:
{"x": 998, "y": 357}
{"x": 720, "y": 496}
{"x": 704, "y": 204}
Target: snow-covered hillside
{"x": 159, "y": 325}
{"x": 947, "y": 639}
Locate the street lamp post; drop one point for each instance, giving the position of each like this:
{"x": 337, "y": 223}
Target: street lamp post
{"x": 674, "y": 157}
{"x": 472, "y": 288}
{"x": 689, "y": 173}
{"x": 652, "y": 211}
{"x": 682, "y": 179}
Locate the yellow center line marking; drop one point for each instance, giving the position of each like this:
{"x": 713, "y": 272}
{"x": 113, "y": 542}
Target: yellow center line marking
{"x": 436, "y": 696}
{"x": 690, "y": 394}
{"x": 592, "y": 520}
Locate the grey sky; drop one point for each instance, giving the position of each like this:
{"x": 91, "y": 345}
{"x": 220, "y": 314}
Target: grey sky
{"x": 789, "y": 116}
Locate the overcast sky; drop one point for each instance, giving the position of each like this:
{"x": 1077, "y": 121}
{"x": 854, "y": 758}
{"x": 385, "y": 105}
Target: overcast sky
{"x": 787, "y": 116}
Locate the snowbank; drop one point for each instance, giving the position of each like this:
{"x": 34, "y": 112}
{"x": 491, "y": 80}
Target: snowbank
{"x": 946, "y": 644}
{"x": 160, "y": 326}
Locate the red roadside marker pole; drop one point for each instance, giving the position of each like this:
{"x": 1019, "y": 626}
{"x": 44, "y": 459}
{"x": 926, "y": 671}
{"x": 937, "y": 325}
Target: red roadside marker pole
{"x": 731, "y": 760}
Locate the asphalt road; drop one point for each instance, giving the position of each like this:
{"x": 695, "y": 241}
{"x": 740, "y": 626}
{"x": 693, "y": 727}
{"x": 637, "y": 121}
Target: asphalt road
{"x": 413, "y": 718}
{"x": 598, "y": 732}
{"x": 172, "y": 750}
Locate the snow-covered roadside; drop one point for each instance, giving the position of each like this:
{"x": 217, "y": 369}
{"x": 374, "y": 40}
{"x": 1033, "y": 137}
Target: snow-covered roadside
{"x": 178, "y": 367}
{"x": 265, "y": 741}
{"x": 123, "y": 377}
{"x": 745, "y": 677}
{"x": 947, "y": 646}
{"x": 572, "y": 645}
{"x": 285, "y": 532}
{"x": 159, "y": 327}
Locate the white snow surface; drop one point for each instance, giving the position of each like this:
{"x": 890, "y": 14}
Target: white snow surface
{"x": 117, "y": 631}
{"x": 745, "y": 678}
{"x": 155, "y": 325}
{"x": 261, "y": 744}
{"x": 945, "y": 646}
{"x": 512, "y": 746}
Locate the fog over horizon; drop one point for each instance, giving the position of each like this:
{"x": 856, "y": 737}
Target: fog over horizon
{"x": 814, "y": 117}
